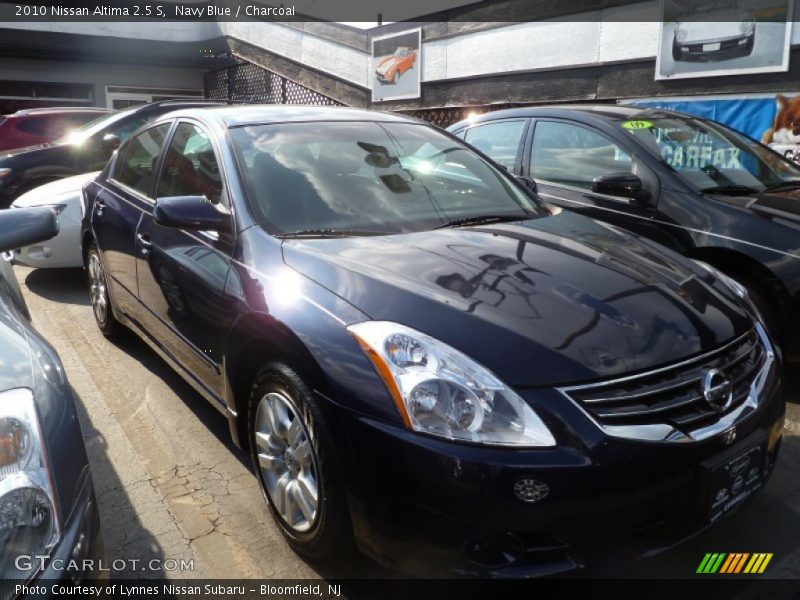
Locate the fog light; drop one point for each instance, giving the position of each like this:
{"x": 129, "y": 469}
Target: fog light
{"x": 531, "y": 491}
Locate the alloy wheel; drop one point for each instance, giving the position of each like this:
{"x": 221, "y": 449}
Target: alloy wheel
{"x": 97, "y": 288}
{"x": 287, "y": 461}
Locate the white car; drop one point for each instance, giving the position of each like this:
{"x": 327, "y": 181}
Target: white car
{"x": 714, "y": 30}
{"x": 64, "y": 250}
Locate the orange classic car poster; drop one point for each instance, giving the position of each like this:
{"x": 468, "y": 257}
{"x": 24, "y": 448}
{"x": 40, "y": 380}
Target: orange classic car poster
{"x": 396, "y": 66}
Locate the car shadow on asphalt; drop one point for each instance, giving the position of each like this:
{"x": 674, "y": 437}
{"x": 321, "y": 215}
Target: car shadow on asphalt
{"x": 125, "y": 537}
{"x": 65, "y": 286}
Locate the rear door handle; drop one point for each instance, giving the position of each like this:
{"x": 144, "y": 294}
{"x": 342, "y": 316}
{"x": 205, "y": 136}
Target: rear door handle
{"x": 143, "y": 240}
{"x": 101, "y": 206}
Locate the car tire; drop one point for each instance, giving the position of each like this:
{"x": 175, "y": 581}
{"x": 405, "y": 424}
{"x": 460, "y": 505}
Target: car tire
{"x": 98, "y": 293}
{"x": 290, "y": 468}
{"x": 750, "y": 45}
{"x": 676, "y": 52}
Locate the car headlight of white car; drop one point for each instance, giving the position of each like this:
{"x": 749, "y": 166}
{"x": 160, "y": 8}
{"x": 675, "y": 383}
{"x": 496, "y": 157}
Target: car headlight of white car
{"x": 680, "y": 35}
{"x": 442, "y": 392}
{"x": 747, "y": 27}
{"x": 29, "y": 519}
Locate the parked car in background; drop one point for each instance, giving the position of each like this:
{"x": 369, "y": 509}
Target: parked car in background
{"x": 41, "y": 125}
{"x": 714, "y": 30}
{"x": 48, "y": 511}
{"x": 391, "y": 67}
{"x": 64, "y": 197}
{"x": 693, "y": 185}
{"x": 83, "y": 150}
{"x": 419, "y": 353}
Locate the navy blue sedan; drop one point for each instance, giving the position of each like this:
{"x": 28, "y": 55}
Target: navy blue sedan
{"x": 422, "y": 356}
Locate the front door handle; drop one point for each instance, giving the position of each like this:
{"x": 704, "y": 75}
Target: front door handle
{"x": 144, "y": 243}
{"x": 100, "y": 207}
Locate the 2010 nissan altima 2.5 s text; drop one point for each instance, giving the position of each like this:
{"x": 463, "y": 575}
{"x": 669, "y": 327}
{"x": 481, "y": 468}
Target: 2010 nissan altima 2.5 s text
{"x": 421, "y": 355}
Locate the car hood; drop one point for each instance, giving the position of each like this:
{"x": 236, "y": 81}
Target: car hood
{"x": 387, "y": 63}
{"x": 69, "y": 187}
{"x": 31, "y": 149}
{"x": 726, "y": 24}
{"x": 547, "y": 301}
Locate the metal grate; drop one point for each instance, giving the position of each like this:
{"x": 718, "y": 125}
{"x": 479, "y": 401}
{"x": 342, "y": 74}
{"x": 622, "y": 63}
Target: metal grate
{"x": 248, "y": 83}
{"x": 674, "y": 395}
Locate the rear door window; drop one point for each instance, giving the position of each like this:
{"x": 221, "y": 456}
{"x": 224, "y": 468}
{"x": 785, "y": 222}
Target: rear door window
{"x": 136, "y": 166}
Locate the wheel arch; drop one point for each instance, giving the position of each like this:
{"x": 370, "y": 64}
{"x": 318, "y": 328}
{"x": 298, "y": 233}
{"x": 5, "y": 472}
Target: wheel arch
{"x": 255, "y": 340}
{"x": 735, "y": 263}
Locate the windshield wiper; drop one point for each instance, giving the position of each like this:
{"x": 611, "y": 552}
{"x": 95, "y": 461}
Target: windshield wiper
{"x": 783, "y": 186}
{"x": 328, "y": 233}
{"x": 482, "y": 220}
{"x": 730, "y": 189}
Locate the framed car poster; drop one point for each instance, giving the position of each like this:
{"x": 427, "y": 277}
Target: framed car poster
{"x": 396, "y": 66}
{"x": 706, "y": 38}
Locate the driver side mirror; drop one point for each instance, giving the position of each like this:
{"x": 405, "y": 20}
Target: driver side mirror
{"x": 110, "y": 142}
{"x": 22, "y": 227}
{"x": 625, "y": 185}
{"x": 527, "y": 182}
{"x": 194, "y": 213}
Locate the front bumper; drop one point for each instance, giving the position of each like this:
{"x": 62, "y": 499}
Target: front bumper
{"x": 716, "y": 50}
{"x": 431, "y": 507}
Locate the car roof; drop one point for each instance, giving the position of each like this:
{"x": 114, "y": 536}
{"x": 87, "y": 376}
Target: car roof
{"x": 608, "y": 112}
{"x": 58, "y": 110}
{"x": 258, "y": 114}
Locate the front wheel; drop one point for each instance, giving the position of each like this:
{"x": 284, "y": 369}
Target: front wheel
{"x": 98, "y": 293}
{"x": 290, "y": 446}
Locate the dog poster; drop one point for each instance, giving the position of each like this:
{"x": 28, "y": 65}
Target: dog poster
{"x": 396, "y": 66}
{"x": 706, "y": 38}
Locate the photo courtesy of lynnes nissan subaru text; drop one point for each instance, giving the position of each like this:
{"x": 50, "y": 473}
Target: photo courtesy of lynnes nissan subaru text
{"x": 421, "y": 355}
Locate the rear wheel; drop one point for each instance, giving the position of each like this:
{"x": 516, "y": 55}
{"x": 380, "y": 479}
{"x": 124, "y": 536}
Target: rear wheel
{"x": 98, "y": 293}
{"x": 290, "y": 446}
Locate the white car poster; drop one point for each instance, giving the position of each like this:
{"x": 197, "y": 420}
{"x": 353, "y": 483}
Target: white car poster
{"x": 706, "y": 38}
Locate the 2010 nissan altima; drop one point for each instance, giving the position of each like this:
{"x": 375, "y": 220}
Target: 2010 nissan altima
{"x": 421, "y": 355}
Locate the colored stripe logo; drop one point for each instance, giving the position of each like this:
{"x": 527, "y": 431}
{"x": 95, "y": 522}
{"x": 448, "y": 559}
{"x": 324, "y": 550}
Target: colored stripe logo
{"x": 734, "y": 563}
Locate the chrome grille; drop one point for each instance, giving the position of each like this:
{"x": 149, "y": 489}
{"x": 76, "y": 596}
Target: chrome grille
{"x": 673, "y": 396}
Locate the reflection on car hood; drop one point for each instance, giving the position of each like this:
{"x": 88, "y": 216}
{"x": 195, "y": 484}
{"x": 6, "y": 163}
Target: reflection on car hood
{"x": 552, "y": 300}
{"x": 59, "y": 189}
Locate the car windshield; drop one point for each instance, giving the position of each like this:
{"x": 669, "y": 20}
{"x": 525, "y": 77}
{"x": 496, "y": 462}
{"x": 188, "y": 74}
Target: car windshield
{"x": 705, "y": 7}
{"x": 400, "y": 52}
{"x": 712, "y": 157}
{"x": 370, "y": 178}
{"x": 80, "y": 134}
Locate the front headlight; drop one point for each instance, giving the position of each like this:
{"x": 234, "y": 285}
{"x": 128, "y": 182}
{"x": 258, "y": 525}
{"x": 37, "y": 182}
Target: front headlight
{"x": 747, "y": 27}
{"x": 29, "y": 522}
{"x": 680, "y": 35}
{"x": 440, "y": 391}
